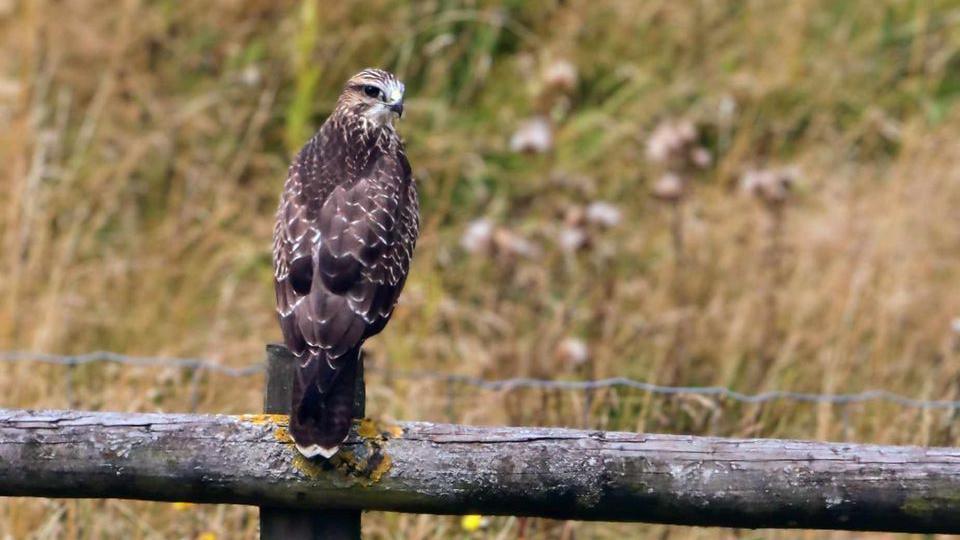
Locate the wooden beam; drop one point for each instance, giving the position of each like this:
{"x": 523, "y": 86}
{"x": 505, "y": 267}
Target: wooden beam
{"x": 451, "y": 469}
{"x": 300, "y": 524}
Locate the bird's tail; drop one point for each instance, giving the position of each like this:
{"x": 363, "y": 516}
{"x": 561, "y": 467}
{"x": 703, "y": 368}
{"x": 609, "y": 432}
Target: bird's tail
{"x": 323, "y": 401}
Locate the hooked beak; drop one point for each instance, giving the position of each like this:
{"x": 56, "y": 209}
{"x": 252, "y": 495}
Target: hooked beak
{"x": 397, "y": 108}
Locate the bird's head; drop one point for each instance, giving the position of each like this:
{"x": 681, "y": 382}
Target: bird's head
{"x": 374, "y": 95}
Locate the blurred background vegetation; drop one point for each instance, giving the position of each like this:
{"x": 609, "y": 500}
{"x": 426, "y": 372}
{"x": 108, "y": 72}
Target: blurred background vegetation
{"x": 758, "y": 194}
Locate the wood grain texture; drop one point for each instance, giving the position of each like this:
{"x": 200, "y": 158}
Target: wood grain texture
{"x": 451, "y": 469}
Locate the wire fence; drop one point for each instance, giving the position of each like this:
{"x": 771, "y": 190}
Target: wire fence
{"x": 503, "y": 385}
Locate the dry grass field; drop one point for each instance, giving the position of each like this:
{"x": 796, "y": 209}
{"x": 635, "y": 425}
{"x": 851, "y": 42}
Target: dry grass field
{"x": 143, "y": 145}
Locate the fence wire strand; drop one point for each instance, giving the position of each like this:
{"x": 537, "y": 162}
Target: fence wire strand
{"x": 503, "y": 385}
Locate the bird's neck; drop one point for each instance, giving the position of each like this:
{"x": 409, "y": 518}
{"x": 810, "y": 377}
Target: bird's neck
{"x": 364, "y": 140}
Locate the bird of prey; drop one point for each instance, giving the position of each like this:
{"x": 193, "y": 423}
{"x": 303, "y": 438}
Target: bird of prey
{"x": 346, "y": 228}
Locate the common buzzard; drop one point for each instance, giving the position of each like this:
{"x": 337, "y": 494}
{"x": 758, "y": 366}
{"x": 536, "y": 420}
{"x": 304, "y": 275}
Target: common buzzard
{"x": 345, "y": 232}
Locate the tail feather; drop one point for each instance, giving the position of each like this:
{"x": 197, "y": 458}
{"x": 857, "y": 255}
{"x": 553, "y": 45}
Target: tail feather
{"x": 322, "y": 408}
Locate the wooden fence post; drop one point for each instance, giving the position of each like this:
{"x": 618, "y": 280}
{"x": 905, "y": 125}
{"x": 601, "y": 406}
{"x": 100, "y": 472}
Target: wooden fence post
{"x": 284, "y": 524}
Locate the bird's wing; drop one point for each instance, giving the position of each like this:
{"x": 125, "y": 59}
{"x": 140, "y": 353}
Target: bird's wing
{"x": 367, "y": 232}
{"x": 376, "y": 295}
{"x": 293, "y": 240}
{"x": 341, "y": 265}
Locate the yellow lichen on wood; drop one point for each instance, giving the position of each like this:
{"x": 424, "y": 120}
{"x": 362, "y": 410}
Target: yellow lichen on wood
{"x": 374, "y": 436}
{"x": 365, "y": 471}
{"x": 281, "y": 434}
{"x": 349, "y": 463}
{"x": 367, "y": 429}
{"x": 394, "y": 431}
{"x": 364, "y": 464}
{"x": 381, "y": 469}
{"x": 260, "y": 419}
{"x": 280, "y": 422}
{"x": 309, "y": 468}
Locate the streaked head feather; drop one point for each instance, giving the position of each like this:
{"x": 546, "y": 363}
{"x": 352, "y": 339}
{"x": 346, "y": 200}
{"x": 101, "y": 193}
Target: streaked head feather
{"x": 376, "y": 110}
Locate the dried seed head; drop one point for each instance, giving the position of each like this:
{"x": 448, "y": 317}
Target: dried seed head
{"x": 575, "y": 216}
{"x": 478, "y": 236}
{"x": 482, "y": 237}
{"x": 572, "y": 239}
{"x": 671, "y": 143}
{"x": 534, "y": 135}
{"x": 772, "y": 186}
{"x": 670, "y": 187}
{"x": 603, "y": 214}
{"x": 560, "y": 75}
{"x": 509, "y": 243}
{"x": 701, "y": 157}
{"x": 727, "y": 107}
{"x": 251, "y": 75}
{"x": 573, "y": 352}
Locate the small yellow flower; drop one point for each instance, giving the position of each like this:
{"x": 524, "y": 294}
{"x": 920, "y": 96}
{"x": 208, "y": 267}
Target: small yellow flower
{"x": 471, "y": 522}
{"x": 207, "y": 535}
{"x": 181, "y": 506}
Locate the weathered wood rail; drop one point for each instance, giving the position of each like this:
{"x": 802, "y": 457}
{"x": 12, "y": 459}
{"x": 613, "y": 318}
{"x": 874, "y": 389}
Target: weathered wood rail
{"x": 452, "y": 469}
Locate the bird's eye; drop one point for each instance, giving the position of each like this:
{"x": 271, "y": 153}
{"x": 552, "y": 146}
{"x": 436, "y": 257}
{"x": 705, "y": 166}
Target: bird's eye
{"x": 371, "y": 90}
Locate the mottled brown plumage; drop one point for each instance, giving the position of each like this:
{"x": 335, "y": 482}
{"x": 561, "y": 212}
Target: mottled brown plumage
{"x": 346, "y": 228}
